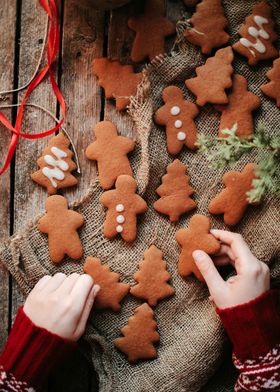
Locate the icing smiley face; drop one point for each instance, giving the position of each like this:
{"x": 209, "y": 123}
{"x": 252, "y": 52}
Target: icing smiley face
{"x": 256, "y": 33}
{"x": 59, "y": 166}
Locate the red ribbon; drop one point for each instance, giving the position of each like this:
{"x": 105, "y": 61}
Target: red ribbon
{"x": 52, "y": 50}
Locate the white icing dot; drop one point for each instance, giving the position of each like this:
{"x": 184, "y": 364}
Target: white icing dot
{"x": 120, "y": 207}
{"x": 175, "y": 110}
{"x": 119, "y": 229}
{"x": 181, "y": 136}
{"x": 178, "y": 124}
{"x": 120, "y": 219}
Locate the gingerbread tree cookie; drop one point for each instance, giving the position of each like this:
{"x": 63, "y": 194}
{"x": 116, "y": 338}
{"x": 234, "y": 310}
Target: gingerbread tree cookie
{"x": 151, "y": 29}
{"x": 177, "y": 116}
{"x": 152, "y": 278}
{"x": 61, "y": 225}
{"x": 56, "y": 165}
{"x": 175, "y": 192}
{"x": 213, "y": 78}
{"x": 208, "y": 26}
{"x": 119, "y": 81}
{"x": 258, "y": 35}
{"x": 233, "y": 200}
{"x": 123, "y": 206}
{"x": 110, "y": 151}
{"x": 272, "y": 88}
{"x": 239, "y": 108}
{"x": 139, "y": 335}
{"x": 111, "y": 290}
{"x": 195, "y": 237}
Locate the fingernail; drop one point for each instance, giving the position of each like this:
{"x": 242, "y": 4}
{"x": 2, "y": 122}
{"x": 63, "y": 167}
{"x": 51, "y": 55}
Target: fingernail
{"x": 198, "y": 256}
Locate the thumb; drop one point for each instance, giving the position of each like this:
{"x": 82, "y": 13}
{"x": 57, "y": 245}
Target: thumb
{"x": 208, "y": 270}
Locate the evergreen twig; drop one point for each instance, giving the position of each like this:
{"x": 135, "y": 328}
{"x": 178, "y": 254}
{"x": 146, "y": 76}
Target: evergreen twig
{"x": 226, "y": 151}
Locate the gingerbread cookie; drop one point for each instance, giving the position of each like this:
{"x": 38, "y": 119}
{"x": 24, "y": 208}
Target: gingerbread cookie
{"x": 61, "y": 225}
{"x": 56, "y": 165}
{"x": 233, "y": 200}
{"x": 272, "y": 88}
{"x": 151, "y": 29}
{"x": 213, "y": 78}
{"x": 152, "y": 278}
{"x": 208, "y": 26}
{"x": 123, "y": 206}
{"x": 110, "y": 151}
{"x": 111, "y": 290}
{"x": 119, "y": 81}
{"x": 196, "y": 237}
{"x": 139, "y": 335}
{"x": 177, "y": 116}
{"x": 239, "y": 109}
{"x": 175, "y": 192}
{"x": 258, "y": 35}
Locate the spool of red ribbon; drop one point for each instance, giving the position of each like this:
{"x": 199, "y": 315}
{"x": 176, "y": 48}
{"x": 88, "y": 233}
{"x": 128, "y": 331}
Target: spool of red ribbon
{"x": 52, "y": 50}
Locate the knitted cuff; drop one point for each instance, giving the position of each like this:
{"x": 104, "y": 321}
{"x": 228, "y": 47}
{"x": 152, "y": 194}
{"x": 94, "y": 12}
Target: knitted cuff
{"x": 31, "y": 352}
{"x": 253, "y": 327}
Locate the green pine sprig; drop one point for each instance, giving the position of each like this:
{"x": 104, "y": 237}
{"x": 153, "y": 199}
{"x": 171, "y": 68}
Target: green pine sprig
{"x": 221, "y": 152}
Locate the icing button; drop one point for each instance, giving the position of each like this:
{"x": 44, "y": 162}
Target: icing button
{"x": 181, "y": 136}
{"x": 175, "y": 110}
{"x": 120, "y": 207}
{"x": 119, "y": 229}
{"x": 178, "y": 124}
{"x": 120, "y": 219}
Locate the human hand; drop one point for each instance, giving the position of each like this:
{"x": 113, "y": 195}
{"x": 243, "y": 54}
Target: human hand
{"x": 62, "y": 304}
{"x": 252, "y": 278}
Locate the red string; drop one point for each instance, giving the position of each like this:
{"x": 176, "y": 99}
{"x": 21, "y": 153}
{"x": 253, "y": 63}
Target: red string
{"x": 52, "y": 50}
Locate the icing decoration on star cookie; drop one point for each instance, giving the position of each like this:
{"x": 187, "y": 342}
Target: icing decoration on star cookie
{"x": 56, "y": 165}
{"x": 272, "y": 88}
{"x": 208, "y": 26}
{"x": 177, "y": 116}
{"x": 239, "y": 109}
{"x": 110, "y": 151}
{"x": 175, "y": 192}
{"x": 112, "y": 291}
{"x": 61, "y": 225}
{"x": 196, "y": 236}
{"x": 213, "y": 78}
{"x": 258, "y": 35}
{"x": 233, "y": 200}
{"x": 125, "y": 200}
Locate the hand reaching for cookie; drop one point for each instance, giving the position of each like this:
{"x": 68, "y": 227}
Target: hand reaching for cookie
{"x": 62, "y": 304}
{"x": 251, "y": 279}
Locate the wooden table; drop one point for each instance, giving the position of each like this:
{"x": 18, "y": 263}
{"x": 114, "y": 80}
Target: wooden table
{"x": 86, "y": 34}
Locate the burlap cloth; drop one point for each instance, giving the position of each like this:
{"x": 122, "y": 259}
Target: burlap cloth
{"x": 192, "y": 345}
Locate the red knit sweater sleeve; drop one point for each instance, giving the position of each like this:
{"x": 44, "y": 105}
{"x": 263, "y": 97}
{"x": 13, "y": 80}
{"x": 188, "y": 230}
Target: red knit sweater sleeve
{"x": 30, "y": 355}
{"x": 254, "y": 329}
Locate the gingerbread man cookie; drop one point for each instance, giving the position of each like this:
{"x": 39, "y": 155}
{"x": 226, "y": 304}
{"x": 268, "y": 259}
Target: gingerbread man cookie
{"x": 239, "y": 109}
{"x": 151, "y": 29}
{"x": 152, "y": 278}
{"x": 56, "y": 165}
{"x": 208, "y": 26}
{"x": 139, "y": 335}
{"x": 258, "y": 35}
{"x": 196, "y": 237}
{"x": 233, "y": 200}
{"x": 272, "y": 88}
{"x": 111, "y": 290}
{"x": 119, "y": 81}
{"x": 123, "y": 207}
{"x": 110, "y": 151}
{"x": 61, "y": 225}
{"x": 213, "y": 78}
{"x": 175, "y": 192}
{"x": 177, "y": 116}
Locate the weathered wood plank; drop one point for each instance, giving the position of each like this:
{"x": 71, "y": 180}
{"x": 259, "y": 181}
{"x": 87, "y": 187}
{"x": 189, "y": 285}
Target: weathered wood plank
{"x": 29, "y": 198}
{"x": 83, "y": 34}
{"x": 7, "y": 18}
